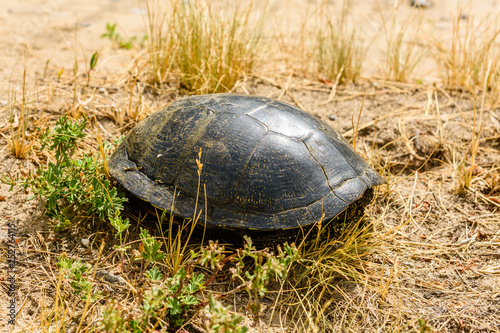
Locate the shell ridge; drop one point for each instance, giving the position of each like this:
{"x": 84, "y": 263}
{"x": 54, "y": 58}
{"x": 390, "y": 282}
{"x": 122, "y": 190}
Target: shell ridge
{"x": 257, "y": 120}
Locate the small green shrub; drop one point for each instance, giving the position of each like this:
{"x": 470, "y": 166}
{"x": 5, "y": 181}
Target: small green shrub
{"x": 170, "y": 302}
{"x": 267, "y": 267}
{"x": 72, "y": 186}
{"x": 151, "y": 247}
{"x": 114, "y": 37}
{"x": 79, "y": 273}
{"x": 221, "y": 319}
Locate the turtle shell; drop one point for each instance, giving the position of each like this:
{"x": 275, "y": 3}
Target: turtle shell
{"x": 267, "y": 165}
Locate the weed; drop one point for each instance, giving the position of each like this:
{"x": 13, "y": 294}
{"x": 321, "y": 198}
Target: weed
{"x": 150, "y": 248}
{"x": 177, "y": 239}
{"x": 324, "y": 265}
{"x": 73, "y": 186}
{"x": 266, "y": 268}
{"x": 214, "y": 51}
{"x": 423, "y": 327}
{"x": 340, "y": 50}
{"x": 463, "y": 177}
{"x": 114, "y": 37}
{"x": 160, "y": 47}
{"x": 11, "y": 180}
{"x": 112, "y": 319}
{"x": 208, "y": 49}
{"x": 170, "y": 302}
{"x": 93, "y": 63}
{"x": 221, "y": 320}
{"x": 79, "y": 274}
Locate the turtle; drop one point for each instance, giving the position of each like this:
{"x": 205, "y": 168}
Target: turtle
{"x": 253, "y": 165}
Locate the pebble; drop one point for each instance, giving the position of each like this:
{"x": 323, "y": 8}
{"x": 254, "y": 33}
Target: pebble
{"x": 420, "y": 3}
{"x": 111, "y": 278}
{"x": 85, "y": 242}
{"x": 331, "y": 117}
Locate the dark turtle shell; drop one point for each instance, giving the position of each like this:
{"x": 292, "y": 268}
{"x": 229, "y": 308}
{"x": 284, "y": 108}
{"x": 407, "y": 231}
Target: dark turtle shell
{"x": 266, "y": 164}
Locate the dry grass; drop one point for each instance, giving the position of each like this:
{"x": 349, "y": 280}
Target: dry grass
{"x": 325, "y": 273}
{"x": 340, "y": 49}
{"x": 210, "y": 51}
{"x": 21, "y": 114}
{"x": 401, "y": 275}
{"x": 401, "y": 48}
{"x": 469, "y": 59}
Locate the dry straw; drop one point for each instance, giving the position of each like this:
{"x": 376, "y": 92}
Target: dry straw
{"x": 208, "y": 46}
{"x": 340, "y": 49}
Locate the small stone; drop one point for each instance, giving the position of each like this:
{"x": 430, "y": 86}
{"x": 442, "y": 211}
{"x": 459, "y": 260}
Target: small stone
{"x": 420, "y": 3}
{"x": 331, "y": 117}
{"x": 85, "y": 242}
{"x": 111, "y": 278}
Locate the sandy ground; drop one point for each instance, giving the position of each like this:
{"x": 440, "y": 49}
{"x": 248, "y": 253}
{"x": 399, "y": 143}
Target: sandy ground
{"x": 445, "y": 256}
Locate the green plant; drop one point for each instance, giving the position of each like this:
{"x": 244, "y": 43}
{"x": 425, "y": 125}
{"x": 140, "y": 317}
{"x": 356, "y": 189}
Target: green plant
{"x": 73, "y": 186}
{"x": 11, "y": 180}
{"x": 161, "y": 44}
{"x": 325, "y": 265}
{"x": 169, "y": 302}
{"x": 213, "y": 50}
{"x": 151, "y": 248}
{"x": 112, "y": 319}
{"x": 113, "y": 36}
{"x": 221, "y": 320}
{"x": 423, "y": 327}
{"x": 93, "y": 63}
{"x": 339, "y": 51}
{"x": 79, "y": 274}
{"x": 176, "y": 240}
{"x": 267, "y": 267}
{"x": 175, "y": 299}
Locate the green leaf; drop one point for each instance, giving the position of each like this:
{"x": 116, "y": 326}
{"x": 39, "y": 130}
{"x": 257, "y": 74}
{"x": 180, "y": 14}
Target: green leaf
{"x": 152, "y": 247}
{"x": 174, "y": 306}
{"x": 153, "y": 274}
{"x": 93, "y": 60}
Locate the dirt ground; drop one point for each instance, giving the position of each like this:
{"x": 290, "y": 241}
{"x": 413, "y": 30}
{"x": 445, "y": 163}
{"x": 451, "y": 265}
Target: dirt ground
{"x": 442, "y": 262}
